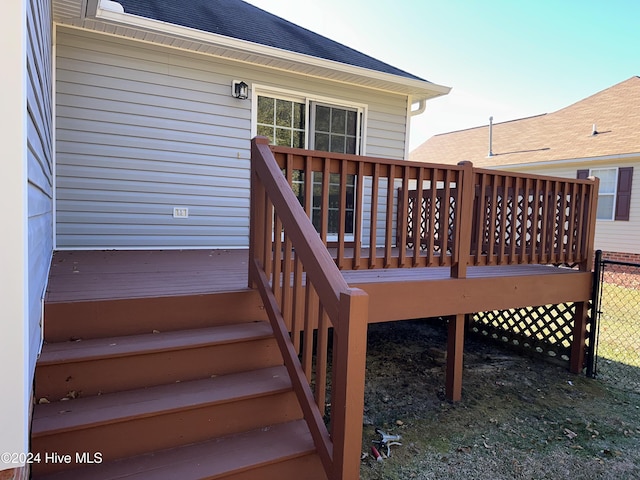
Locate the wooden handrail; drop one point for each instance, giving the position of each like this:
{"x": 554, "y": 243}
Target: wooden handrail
{"x": 303, "y": 290}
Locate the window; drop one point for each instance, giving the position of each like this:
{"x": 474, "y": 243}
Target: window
{"x": 334, "y": 129}
{"x": 302, "y": 122}
{"x": 614, "y": 195}
{"x": 607, "y": 192}
{"x": 334, "y": 204}
{"x": 282, "y": 121}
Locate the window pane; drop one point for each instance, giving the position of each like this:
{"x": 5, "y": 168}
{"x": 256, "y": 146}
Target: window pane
{"x": 322, "y": 119}
{"x": 338, "y": 120}
{"x": 298, "y": 139}
{"x": 348, "y": 222}
{"x": 333, "y": 221}
{"x": 322, "y": 142}
{"x": 265, "y": 110}
{"x": 298, "y": 116}
{"x": 283, "y": 137}
{"x": 605, "y": 207}
{"x": 284, "y": 113}
{"x": 266, "y": 131}
{"x": 315, "y": 219}
{"x": 352, "y": 123}
{"x": 607, "y": 178}
{"x": 337, "y": 144}
{"x": 350, "y": 146}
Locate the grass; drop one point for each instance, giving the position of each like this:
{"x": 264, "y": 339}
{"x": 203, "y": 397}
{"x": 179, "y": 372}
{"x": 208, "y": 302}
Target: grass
{"x": 619, "y": 334}
{"x": 520, "y": 418}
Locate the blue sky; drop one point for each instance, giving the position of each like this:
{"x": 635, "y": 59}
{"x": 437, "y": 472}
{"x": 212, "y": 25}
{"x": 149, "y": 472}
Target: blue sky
{"x": 505, "y": 58}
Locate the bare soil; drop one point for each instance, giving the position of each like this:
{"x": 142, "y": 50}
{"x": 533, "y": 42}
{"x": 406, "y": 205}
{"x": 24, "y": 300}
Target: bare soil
{"x": 519, "y": 418}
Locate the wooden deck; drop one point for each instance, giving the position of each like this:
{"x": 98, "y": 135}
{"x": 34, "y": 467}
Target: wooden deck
{"x": 395, "y": 294}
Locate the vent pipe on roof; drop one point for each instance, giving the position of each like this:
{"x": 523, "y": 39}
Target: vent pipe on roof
{"x": 490, "y": 137}
{"x": 594, "y": 130}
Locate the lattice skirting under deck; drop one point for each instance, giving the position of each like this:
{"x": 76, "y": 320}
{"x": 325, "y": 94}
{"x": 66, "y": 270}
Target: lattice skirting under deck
{"x": 545, "y": 330}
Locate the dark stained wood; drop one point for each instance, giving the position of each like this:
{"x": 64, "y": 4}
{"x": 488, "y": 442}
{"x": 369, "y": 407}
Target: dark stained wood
{"x": 478, "y": 262}
{"x": 262, "y": 453}
{"x": 545, "y": 282}
{"x": 455, "y": 348}
{"x": 87, "y": 367}
{"x": 129, "y": 423}
{"x": 120, "y": 274}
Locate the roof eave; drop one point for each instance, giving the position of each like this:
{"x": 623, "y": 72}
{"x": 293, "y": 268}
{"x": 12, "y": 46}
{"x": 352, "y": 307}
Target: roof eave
{"x": 248, "y": 52}
{"x": 568, "y": 161}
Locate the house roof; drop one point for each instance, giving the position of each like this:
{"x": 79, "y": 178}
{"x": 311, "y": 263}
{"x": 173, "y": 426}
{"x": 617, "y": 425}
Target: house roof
{"x": 562, "y": 135}
{"x": 238, "y": 31}
{"x": 243, "y": 21}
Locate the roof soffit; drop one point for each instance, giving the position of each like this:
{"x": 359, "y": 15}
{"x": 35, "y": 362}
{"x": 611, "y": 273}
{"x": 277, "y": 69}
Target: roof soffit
{"x": 162, "y": 33}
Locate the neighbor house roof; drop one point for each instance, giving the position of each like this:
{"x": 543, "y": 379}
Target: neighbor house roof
{"x": 562, "y": 135}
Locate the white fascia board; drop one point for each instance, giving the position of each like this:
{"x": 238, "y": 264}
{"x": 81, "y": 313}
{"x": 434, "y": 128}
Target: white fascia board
{"x": 567, "y": 161}
{"x": 419, "y": 89}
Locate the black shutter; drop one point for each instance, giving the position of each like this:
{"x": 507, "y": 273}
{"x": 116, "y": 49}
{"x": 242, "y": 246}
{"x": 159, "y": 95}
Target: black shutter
{"x": 623, "y": 199}
{"x": 583, "y": 174}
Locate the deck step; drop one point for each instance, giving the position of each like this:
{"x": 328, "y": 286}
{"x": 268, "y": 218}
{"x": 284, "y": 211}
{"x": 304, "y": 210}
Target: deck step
{"x": 165, "y": 416}
{"x": 84, "y": 368}
{"x": 135, "y": 316}
{"x": 284, "y": 450}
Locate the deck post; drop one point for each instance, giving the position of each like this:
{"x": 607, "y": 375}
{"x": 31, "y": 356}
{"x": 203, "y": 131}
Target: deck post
{"x": 350, "y": 356}
{"x": 455, "y": 349}
{"x": 256, "y": 220}
{"x": 464, "y": 221}
{"x": 576, "y": 364}
{"x": 587, "y": 264}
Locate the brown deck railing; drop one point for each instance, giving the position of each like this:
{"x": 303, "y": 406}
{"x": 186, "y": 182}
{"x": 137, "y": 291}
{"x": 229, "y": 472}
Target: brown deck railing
{"x": 408, "y": 214}
{"x": 375, "y": 234}
{"x": 313, "y": 213}
{"x": 303, "y": 290}
{"x": 528, "y": 219}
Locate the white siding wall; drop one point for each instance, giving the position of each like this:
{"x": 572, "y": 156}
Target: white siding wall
{"x": 39, "y": 161}
{"x": 143, "y": 128}
{"x": 611, "y": 236}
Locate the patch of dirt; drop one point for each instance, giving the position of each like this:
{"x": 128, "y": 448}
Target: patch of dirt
{"x": 519, "y": 418}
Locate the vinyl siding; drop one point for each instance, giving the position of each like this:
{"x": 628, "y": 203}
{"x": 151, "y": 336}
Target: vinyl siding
{"x": 143, "y": 128}
{"x": 39, "y": 163}
{"x": 611, "y": 236}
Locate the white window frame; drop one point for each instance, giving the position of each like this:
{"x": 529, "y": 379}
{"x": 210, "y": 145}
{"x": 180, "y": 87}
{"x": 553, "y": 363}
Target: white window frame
{"x": 308, "y": 99}
{"x": 614, "y": 194}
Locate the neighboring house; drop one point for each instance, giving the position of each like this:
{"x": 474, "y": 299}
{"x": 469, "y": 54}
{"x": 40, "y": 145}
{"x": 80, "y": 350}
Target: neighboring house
{"x": 144, "y": 141}
{"x": 597, "y": 136}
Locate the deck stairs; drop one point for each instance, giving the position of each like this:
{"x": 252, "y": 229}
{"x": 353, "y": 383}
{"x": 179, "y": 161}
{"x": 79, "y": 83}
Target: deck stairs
{"x": 186, "y": 387}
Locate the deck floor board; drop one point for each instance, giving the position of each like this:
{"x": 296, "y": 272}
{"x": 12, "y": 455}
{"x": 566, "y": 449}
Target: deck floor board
{"x": 117, "y": 274}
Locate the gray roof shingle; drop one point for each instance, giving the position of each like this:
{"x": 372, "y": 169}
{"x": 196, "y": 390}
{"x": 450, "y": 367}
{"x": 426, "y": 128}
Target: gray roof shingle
{"x": 243, "y": 21}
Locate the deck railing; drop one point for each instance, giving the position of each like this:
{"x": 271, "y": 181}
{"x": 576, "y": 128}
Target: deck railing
{"x": 303, "y": 290}
{"x": 529, "y": 219}
{"x": 316, "y": 213}
{"x": 398, "y": 214}
{"x": 372, "y": 232}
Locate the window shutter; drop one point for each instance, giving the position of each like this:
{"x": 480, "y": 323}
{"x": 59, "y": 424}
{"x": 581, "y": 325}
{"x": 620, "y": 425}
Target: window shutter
{"x": 583, "y": 174}
{"x": 623, "y": 199}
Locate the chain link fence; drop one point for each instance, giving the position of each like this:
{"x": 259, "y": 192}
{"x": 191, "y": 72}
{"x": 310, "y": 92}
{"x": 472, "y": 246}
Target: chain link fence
{"x": 617, "y": 332}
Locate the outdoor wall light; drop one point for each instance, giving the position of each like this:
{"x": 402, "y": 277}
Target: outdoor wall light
{"x": 240, "y": 90}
